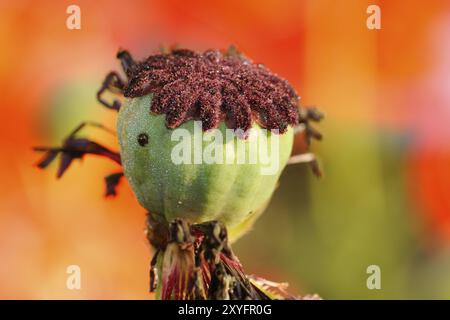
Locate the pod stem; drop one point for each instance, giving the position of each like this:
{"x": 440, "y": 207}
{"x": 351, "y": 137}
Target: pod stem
{"x": 196, "y": 262}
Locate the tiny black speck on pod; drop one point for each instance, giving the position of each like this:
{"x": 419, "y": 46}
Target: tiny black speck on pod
{"x": 143, "y": 139}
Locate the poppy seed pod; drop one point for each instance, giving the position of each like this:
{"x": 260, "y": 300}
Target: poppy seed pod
{"x": 169, "y": 93}
{"x": 233, "y": 193}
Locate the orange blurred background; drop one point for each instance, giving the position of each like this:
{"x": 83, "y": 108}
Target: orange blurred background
{"x": 391, "y": 85}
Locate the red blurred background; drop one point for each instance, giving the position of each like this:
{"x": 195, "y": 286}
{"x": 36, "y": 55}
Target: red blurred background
{"x": 395, "y": 81}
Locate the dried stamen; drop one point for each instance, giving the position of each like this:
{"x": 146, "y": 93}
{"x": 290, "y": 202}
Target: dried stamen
{"x": 213, "y": 86}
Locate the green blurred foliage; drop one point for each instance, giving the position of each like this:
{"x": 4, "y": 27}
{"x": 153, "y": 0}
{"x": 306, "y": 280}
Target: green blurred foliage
{"x": 69, "y": 104}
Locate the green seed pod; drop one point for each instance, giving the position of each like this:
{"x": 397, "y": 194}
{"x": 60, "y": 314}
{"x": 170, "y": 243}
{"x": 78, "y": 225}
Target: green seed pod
{"x": 233, "y": 193}
{"x": 167, "y": 92}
